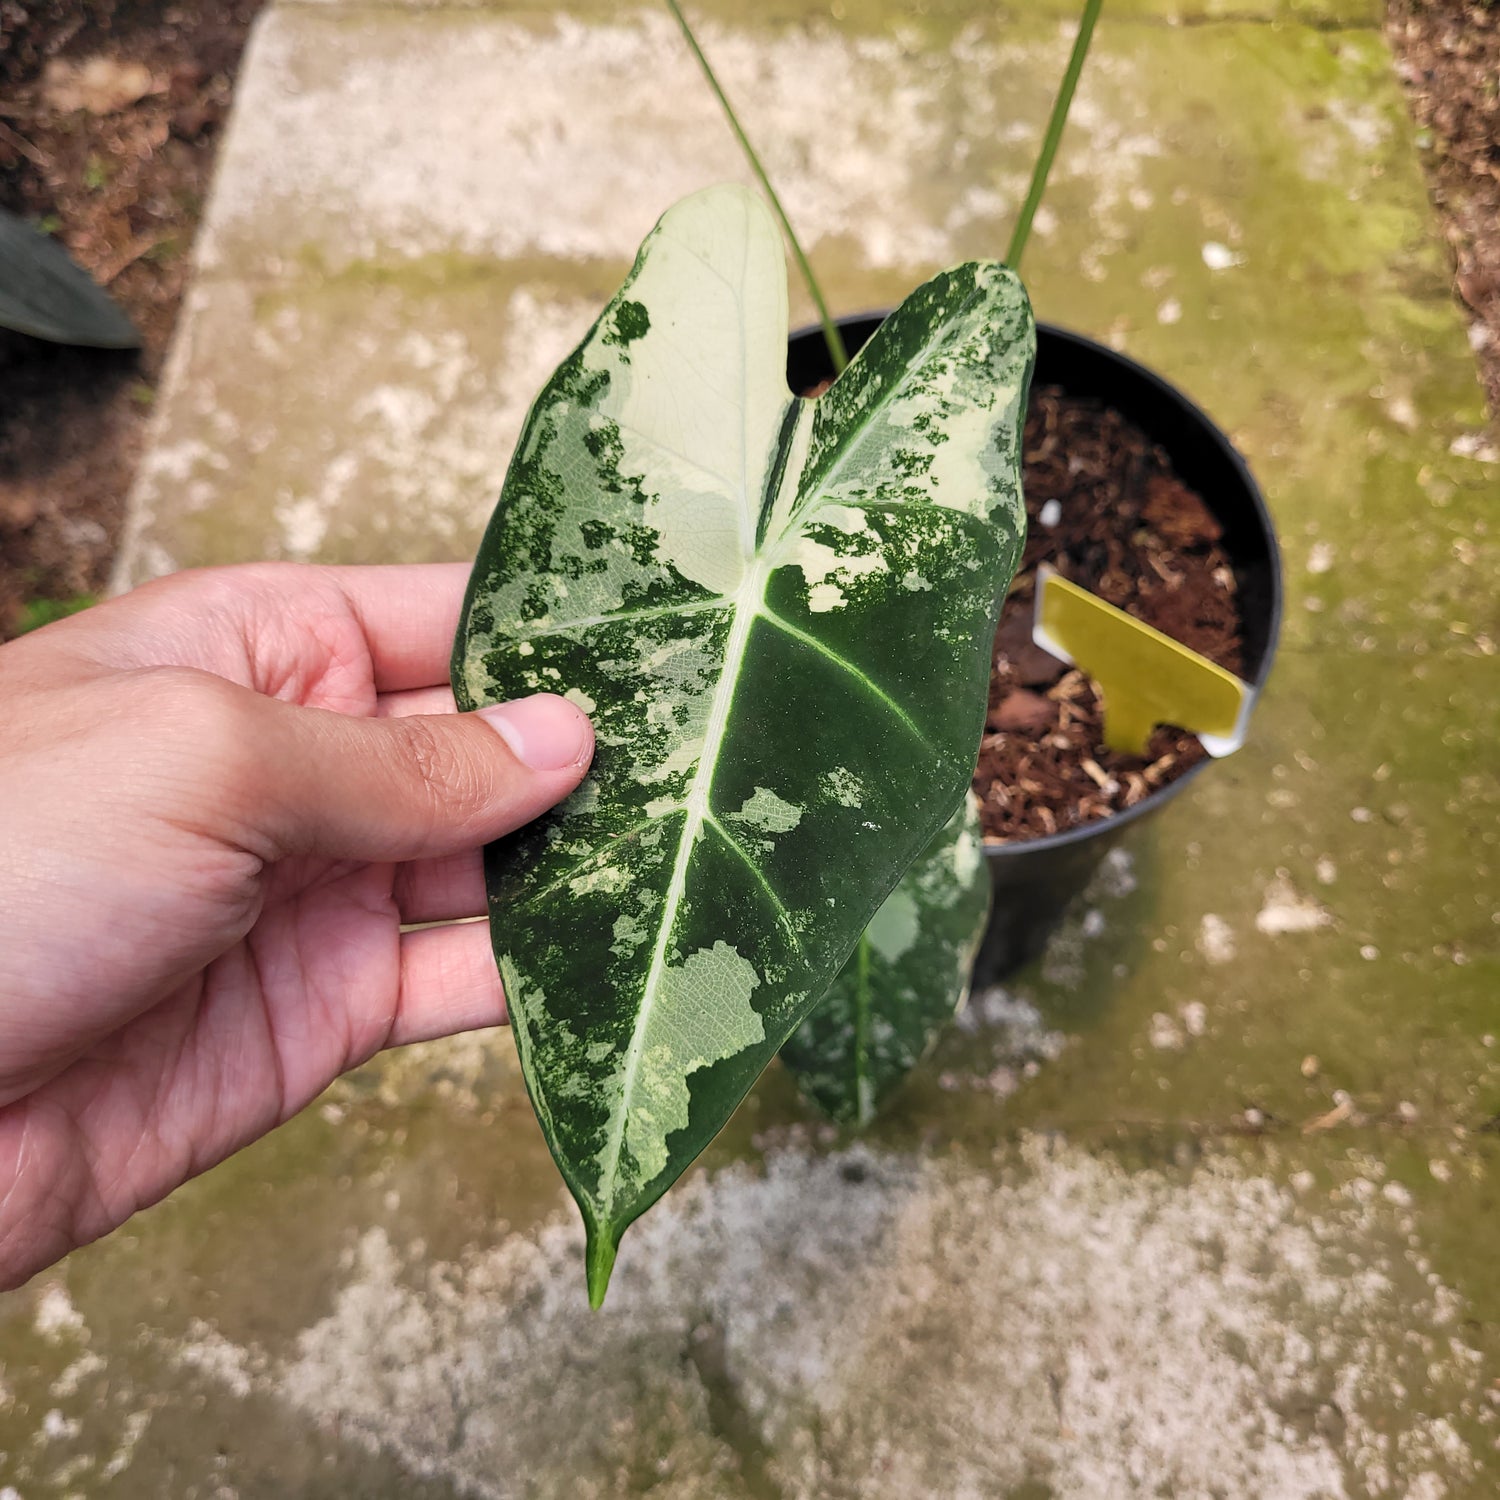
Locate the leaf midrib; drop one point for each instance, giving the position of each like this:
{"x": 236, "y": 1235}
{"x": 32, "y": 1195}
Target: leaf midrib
{"x": 749, "y": 605}
{"x": 748, "y": 600}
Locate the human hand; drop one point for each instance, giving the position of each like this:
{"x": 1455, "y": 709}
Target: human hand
{"x": 220, "y": 798}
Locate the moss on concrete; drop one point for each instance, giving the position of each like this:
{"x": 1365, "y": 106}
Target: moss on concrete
{"x": 929, "y": 20}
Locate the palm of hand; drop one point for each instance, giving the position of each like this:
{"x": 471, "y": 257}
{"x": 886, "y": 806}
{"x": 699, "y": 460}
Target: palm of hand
{"x": 243, "y": 899}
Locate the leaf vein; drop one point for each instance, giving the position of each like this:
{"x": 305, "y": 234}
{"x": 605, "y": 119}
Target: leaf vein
{"x": 848, "y": 667}
{"x": 760, "y": 876}
{"x": 691, "y": 607}
{"x": 709, "y": 266}
{"x": 595, "y": 861}
{"x": 850, "y": 439}
{"x": 661, "y": 447}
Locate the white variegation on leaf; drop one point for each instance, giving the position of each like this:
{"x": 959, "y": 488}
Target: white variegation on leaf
{"x": 908, "y": 975}
{"x": 779, "y": 612}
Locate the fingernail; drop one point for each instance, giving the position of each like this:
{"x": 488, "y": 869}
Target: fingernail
{"x": 545, "y": 732}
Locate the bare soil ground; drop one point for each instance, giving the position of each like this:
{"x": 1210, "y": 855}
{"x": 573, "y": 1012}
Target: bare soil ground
{"x": 120, "y": 177}
{"x": 110, "y": 113}
{"x": 1448, "y": 57}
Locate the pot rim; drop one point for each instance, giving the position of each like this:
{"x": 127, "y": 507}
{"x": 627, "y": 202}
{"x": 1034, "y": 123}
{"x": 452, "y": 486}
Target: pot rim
{"x": 1108, "y": 826}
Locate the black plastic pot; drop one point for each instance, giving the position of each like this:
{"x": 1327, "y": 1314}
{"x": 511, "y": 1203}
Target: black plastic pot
{"x": 1036, "y": 879}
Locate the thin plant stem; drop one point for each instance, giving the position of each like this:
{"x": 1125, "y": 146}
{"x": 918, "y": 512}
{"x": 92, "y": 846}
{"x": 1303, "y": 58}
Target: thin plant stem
{"x": 1060, "y": 107}
{"x": 831, "y": 335}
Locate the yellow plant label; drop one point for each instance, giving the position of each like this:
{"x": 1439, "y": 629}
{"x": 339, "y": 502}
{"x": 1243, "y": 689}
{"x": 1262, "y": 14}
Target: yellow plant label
{"x": 1146, "y": 677}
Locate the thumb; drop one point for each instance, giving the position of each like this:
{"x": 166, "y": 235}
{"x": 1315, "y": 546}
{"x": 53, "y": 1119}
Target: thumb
{"x": 412, "y": 788}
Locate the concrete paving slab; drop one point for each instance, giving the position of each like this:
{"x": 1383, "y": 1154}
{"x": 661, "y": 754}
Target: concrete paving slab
{"x": 375, "y": 409}
{"x": 439, "y": 241}
{"x": 811, "y": 1328}
{"x": 926, "y": 17}
{"x": 1195, "y": 1205}
{"x": 1331, "y": 897}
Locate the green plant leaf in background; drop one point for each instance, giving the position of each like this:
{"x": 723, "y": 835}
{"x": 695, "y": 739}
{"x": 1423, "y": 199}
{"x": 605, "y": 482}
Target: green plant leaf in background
{"x": 779, "y": 614}
{"x": 44, "y": 294}
{"x": 38, "y": 612}
{"x": 907, "y": 977}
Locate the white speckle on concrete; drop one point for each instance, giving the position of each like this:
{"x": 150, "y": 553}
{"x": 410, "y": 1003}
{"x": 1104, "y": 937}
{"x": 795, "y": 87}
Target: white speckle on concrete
{"x": 436, "y": 436}
{"x": 1065, "y": 957}
{"x": 1347, "y": 133}
{"x": 1473, "y": 445}
{"x": 1116, "y": 875}
{"x": 81, "y": 1369}
{"x": 304, "y": 524}
{"x": 1320, "y": 557}
{"x": 176, "y": 464}
{"x": 208, "y": 1351}
{"x": 55, "y": 1426}
{"x": 1215, "y": 939}
{"x": 1137, "y": 1329}
{"x": 1219, "y": 257}
{"x": 1025, "y": 1040}
{"x": 1402, "y": 412}
{"x": 56, "y": 1316}
{"x": 480, "y": 175}
{"x": 136, "y": 1423}
{"x": 1364, "y": 124}
{"x": 1164, "y": 1034}
{"x": 1284, "y": 909}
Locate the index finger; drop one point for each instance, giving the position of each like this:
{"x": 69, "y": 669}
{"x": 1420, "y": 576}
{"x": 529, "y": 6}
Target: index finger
{"x": 409, "y": 613}
{"x": 262, "y": 624}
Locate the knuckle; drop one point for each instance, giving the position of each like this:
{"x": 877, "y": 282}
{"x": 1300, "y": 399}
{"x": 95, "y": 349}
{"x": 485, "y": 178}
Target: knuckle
{"x": 227, "y": 593}
{"x": 172, "y": 690}
{"x": 202, "y": 721}
{"x": 451, "y": 783}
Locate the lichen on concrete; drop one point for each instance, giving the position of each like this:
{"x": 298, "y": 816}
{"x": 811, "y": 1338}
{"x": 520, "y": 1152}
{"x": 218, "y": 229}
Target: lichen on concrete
{"x": 1202, "y": 1328}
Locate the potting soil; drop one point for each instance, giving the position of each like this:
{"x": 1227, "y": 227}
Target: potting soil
{"x": 1104, "y": 509}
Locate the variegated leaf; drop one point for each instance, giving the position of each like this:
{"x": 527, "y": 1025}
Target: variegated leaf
{"x": 907, "y": 977}
{"x": 779, "y": 614}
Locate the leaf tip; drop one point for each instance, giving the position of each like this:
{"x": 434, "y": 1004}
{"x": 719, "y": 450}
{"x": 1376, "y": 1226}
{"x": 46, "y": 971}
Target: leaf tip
{"x": 599, "y": 1261}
